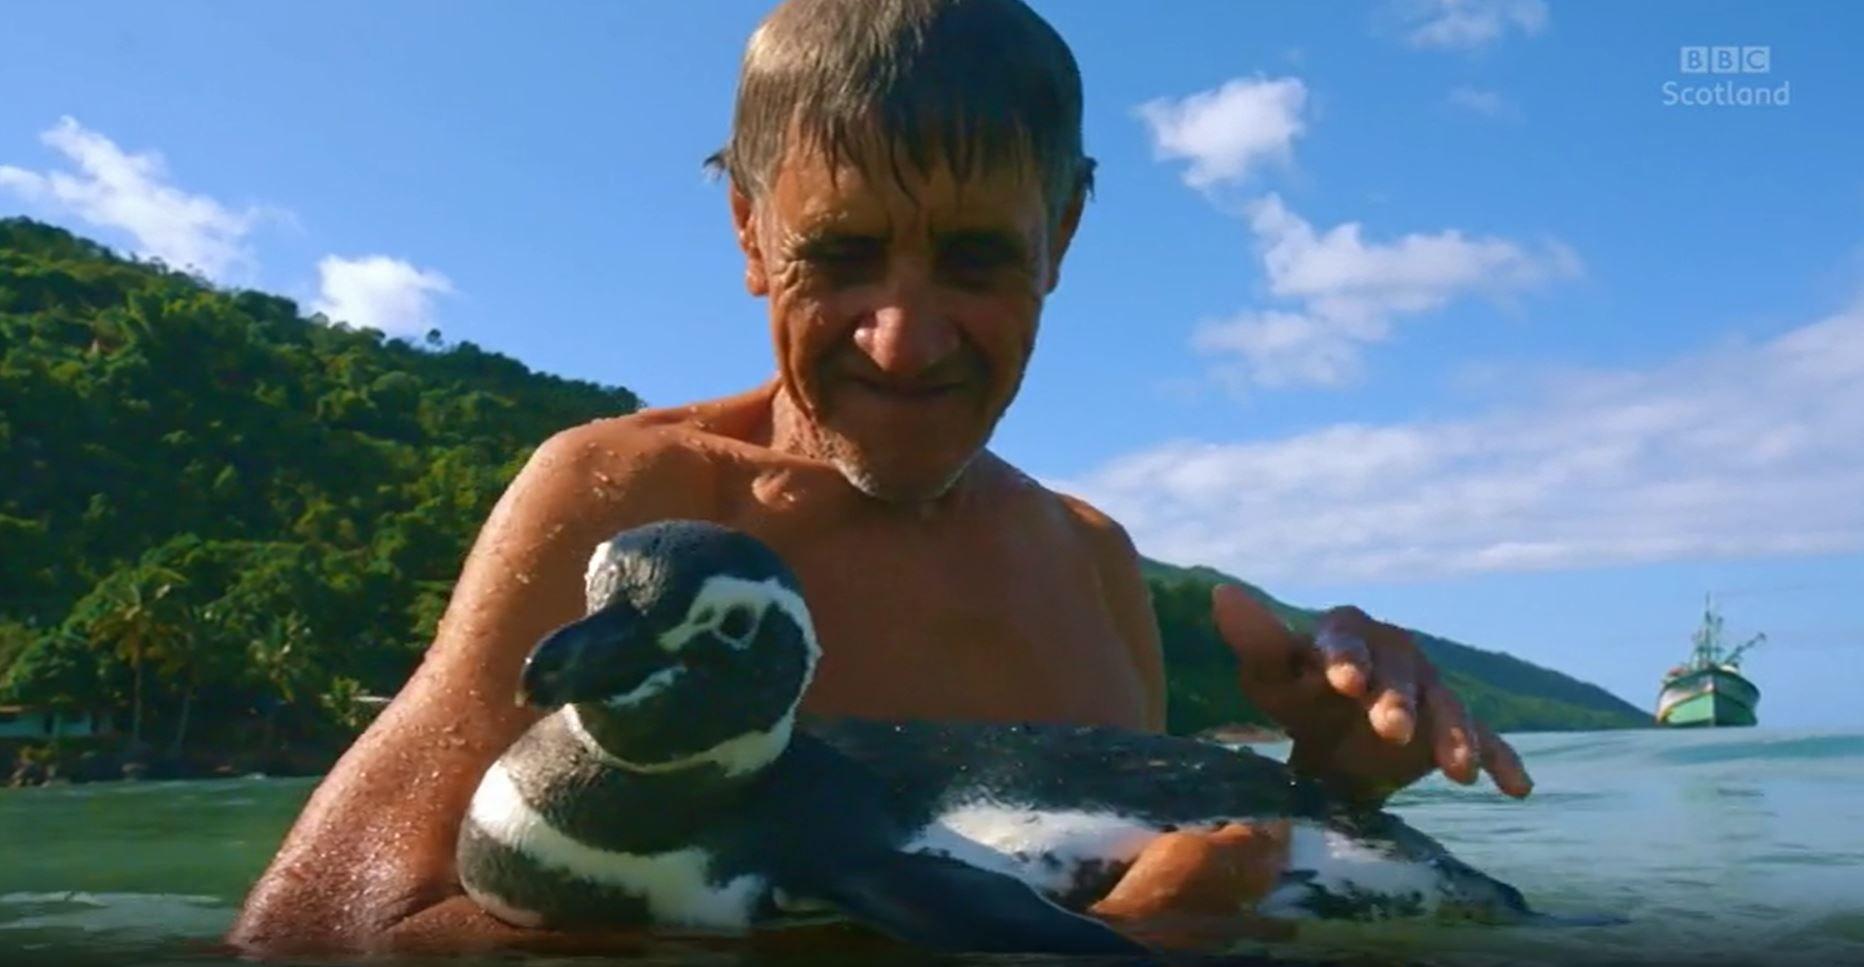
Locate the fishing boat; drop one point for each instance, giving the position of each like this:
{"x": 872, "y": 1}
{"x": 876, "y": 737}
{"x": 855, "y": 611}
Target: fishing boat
{"x": 1709, "y": 688}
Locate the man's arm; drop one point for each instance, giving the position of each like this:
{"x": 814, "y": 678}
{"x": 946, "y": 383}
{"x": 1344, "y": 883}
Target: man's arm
{"x": 374, "y": 846}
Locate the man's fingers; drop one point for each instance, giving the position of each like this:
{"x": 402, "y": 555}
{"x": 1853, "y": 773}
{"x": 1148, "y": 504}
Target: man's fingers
{"x": 1455, "y": 743}
{"x": 1342, "y": 646}
{"x": 1503, "y": 764}
{"x": 1394, "y": 706}
{"x": 1263, "y": 645}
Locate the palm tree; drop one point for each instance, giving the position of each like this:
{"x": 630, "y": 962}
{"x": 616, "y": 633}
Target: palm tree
{"x": 132, "y": 613}
{"x": 278, "y": 657}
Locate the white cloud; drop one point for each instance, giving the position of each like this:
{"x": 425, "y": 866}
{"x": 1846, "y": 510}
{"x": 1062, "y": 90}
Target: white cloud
{"x": 115, "y": 189}
{"x": 1486, "y": 103}
{"x": 1468, "y": 24}
{"x": 1287, "y": 349}
{"x": 379, "y": 292}
{"x": 1741, "y": 451}
{"x": 1349, "y": 290}
{"x": 1228, "y": 132}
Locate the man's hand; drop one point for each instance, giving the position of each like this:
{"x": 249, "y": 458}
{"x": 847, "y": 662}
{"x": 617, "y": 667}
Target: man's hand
{"x": 1365, "y": 708}
{"x": 1196, "y": 891}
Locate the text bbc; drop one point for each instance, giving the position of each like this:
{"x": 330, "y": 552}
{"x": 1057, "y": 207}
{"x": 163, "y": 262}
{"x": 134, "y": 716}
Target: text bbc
{"x": 1725, "y": 60}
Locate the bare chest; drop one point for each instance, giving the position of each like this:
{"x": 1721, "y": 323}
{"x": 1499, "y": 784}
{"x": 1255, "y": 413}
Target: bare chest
{"x": 993, "y": 627}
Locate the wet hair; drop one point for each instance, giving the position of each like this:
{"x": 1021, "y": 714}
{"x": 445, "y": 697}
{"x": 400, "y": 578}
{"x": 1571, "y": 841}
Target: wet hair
{"x": 976, "y": 85}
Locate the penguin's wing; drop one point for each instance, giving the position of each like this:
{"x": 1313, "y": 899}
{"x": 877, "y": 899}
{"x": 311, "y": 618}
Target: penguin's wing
{"x": 940, "y": 903}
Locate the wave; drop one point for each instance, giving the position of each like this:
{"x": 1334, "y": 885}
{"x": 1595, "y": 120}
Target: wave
{"x": 1766, "y": 748}
{"x": 142, "y": 914}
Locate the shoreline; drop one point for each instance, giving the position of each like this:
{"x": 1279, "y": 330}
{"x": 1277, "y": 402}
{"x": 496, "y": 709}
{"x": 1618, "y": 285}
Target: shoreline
{"x": 71, "y": 761}
{"x": 28, "y": 764}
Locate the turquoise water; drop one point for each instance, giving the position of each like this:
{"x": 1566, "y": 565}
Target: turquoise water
{"x": 1718, "y": 847}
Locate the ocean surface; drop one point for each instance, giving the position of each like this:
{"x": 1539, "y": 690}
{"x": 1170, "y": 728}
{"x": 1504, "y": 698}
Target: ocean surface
{"x": 1726, "y": 846}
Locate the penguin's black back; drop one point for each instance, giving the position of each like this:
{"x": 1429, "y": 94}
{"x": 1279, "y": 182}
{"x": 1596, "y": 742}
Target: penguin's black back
{"x": 929, "y": 767}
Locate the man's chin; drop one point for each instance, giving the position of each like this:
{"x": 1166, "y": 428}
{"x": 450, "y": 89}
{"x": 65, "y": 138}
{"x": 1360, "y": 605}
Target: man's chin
{"x": 896, "y": 486}
{"x": 902, "y": 452}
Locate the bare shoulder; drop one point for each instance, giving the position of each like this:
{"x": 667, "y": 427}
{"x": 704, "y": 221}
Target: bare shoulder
{"x": 646, "y": 448}
{"x": 1107, "y": 541}
{"x": 1123, "y": 587}
{"x": 1105, "y": 532}
{"x": 612, "y": 473}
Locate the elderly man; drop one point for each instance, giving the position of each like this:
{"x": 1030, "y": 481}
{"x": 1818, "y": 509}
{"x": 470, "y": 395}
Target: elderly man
{"x": 905, "y": 177}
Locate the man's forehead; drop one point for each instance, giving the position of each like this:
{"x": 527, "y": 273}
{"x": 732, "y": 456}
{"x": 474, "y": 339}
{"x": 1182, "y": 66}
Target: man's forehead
{"x": 817, "y": 190}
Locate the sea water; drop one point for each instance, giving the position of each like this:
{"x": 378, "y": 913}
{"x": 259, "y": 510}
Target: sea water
{"x": 1723, "y": 846}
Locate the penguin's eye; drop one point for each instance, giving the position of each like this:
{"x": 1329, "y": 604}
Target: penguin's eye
{"x": 736, "y": 624}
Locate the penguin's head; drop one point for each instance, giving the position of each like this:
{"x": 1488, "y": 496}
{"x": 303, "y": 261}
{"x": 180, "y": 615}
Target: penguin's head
{"x": 695, "y": 650}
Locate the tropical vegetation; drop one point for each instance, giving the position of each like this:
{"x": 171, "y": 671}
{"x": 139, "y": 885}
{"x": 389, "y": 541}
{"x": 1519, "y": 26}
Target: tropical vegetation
{"x": 226, "y": 522}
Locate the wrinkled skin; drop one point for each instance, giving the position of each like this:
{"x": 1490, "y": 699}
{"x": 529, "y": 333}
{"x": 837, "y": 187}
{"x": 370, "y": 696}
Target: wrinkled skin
{"x": 943, "y": 582}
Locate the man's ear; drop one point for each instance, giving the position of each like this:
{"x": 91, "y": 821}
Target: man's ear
{"x": 744, "y": 222}
{"x": 1062, "y": 235}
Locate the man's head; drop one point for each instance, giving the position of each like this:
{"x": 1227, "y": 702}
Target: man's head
{"x": 905, "y": 178}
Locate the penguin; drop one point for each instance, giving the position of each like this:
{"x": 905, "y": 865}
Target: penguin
{"x": 673, "y": 786}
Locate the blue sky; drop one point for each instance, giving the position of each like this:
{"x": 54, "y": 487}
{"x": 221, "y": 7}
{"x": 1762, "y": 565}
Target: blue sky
{"x": 1435, "y": 307}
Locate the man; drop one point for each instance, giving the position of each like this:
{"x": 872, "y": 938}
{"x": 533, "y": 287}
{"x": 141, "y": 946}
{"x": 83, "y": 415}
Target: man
{"x": 905, "y": 177}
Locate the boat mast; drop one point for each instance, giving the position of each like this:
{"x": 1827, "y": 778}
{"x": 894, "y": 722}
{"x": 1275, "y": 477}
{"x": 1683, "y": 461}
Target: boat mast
{"x": 1709, "y": 650}
{"x": 1708, "y": 638}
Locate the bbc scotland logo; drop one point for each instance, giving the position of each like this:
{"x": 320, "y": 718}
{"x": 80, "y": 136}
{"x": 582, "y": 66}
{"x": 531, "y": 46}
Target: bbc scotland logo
{"x": 1727, "y": 60}
{"x": 1736, "y": 77}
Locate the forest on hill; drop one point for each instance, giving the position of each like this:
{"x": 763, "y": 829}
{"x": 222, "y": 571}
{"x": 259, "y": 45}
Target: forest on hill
{"x": 224, "y": 522}
{"x": 1510, "y": 694}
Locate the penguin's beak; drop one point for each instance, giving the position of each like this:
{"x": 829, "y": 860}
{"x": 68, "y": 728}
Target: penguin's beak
{"x": 602, "y": 654}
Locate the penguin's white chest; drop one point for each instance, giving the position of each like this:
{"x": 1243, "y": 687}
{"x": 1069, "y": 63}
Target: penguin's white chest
{"x": 1055, "y": 851}
{"x": 1332, "y": 874}
{"x": 1049, "y": 849}
{"x": 678, "y": 886}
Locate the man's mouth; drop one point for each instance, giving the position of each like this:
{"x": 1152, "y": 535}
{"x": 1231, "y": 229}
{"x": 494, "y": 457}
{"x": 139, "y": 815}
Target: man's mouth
{"x": 908, "y": 392}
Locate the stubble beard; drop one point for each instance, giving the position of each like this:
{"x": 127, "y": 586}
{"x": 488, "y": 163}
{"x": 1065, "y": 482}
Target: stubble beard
{"x": 862, "y": 478}
{"x": 814, "y": 439}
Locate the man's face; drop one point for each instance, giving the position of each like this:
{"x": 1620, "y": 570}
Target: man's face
{"x": 903, "y": 317}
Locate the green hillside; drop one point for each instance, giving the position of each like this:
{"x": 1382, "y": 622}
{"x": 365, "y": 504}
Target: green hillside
{"x": 225, "y": 514}
{"x": 223, "y": 521}
{"x": 1510, "y": 694}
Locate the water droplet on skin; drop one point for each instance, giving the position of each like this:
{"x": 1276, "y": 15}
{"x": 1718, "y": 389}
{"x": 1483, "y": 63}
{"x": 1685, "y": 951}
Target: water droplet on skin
{"x": 603, "y": 485}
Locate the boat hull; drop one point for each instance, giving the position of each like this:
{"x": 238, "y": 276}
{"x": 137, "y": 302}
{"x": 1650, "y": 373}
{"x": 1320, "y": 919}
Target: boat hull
{"x": 1708, "y": 697}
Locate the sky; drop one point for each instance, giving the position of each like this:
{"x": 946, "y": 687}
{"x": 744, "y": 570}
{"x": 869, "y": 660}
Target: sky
{"x": 1494, "y": 317}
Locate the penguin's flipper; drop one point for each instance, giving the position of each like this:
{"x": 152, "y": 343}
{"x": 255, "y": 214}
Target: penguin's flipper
{"x": 940, "y": 903}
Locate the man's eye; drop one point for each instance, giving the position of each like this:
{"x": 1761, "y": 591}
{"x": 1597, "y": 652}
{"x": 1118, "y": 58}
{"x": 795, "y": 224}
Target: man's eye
{"x": 970, "y": 257}
{"x": 842, "y": 251}
{"x": 974, "y": 259}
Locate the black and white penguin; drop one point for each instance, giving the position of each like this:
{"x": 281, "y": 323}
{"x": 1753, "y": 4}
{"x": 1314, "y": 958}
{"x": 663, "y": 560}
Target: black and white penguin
{"x": 674, "y": 787}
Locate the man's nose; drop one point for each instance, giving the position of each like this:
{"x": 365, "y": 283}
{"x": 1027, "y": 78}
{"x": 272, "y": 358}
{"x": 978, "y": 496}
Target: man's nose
{"x": 906, "y": 333}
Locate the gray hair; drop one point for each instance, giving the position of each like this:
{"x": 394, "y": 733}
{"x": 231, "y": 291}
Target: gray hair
{"x": 983, "y": 84}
